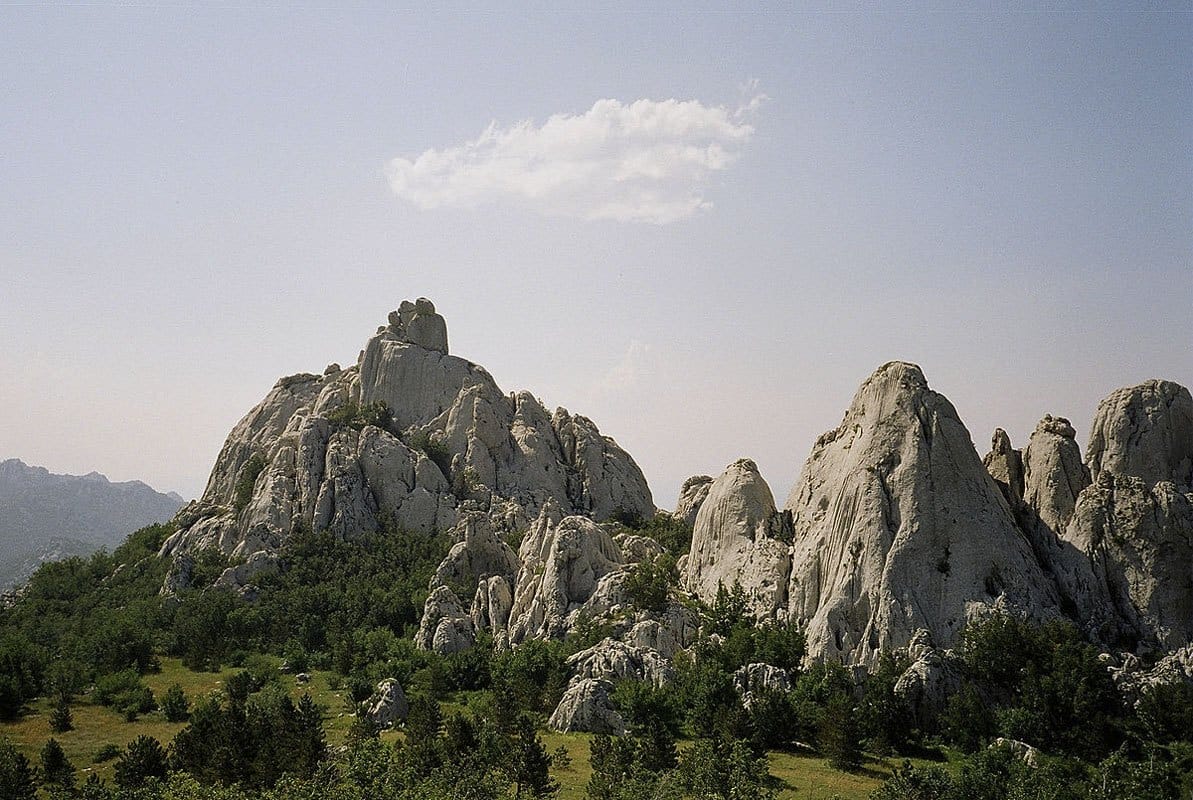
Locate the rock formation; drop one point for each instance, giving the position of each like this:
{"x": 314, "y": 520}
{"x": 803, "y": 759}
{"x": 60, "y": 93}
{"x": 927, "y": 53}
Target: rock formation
{"x": 411, "y": 434}
{"x": 567, "y": 568}
{"x": 612, "y": 660}
{"x": 739, "y": 537}
{"x": 387, "y": 707}
{"x": 445, "y": 627}
{"x": 751, "y": 679}
{"x": 691, "y": 496}
{"x": 898, "y": 527}
{"x": 587, "y": 706}
{"x": 1144, "y": 432}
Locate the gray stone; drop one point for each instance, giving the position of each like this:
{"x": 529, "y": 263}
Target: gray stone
{"x": 898, "y": 527}
{"x": 587, "y": 707}
{"x": 387, "y": 707}
{"x": 737, "y": 538}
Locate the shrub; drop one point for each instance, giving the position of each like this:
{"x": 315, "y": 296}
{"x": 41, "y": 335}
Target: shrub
{"x": 648, "y": 583}
{"x": 106, "y": 753}
{"x": 249, "y": 473}
{"x": 124, "y": 692}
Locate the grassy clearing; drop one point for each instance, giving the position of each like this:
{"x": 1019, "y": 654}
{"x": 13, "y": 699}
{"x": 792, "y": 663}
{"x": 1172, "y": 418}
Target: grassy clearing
{"x": 798, "y": 777}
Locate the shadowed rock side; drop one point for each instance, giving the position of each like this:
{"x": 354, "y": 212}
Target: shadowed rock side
{"x": 691, "y": 496}
{"x": 318, "y": 453}
{"x": 899, "y": 527}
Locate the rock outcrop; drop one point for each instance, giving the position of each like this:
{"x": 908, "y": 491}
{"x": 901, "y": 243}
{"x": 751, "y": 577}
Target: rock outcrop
{"x": 566, "y": 568}
{"x": 751, "y": 679}
{"x": 1139, "y": 541}
{"x": 587, "y": 707}
{"x": 740, "y": 537}
{"x": 898, "y": 527}
{"x": 410, "y": 434}
{"x": 612, "y": 660}
{"x": 691, "y": 496}
{"x": 387, "y": 707}
{"x": 1053, "y": 473}
{"x": 1144, "y": 432}
{"x": 445, "y": 627}
{"x": 931, "y": 677}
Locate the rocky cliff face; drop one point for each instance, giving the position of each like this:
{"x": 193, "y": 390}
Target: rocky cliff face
{"x": 896, "y": 529}
{"x": 410, "y": 434}
{"x": 899, "y": 527}
{"x": 740, "y": 537}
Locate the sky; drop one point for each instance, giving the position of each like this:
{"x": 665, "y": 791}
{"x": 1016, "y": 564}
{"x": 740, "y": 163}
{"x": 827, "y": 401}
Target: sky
{"x": 702, "y": 230}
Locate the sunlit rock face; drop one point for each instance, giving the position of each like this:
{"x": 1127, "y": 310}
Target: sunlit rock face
{"x": 410, "y": 435}
{"x": 740, "y": 538}
{"x": 899, "y": 527}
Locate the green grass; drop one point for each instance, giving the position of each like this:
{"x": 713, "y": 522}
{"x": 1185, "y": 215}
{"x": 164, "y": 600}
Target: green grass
{"x": 797, "y": 776}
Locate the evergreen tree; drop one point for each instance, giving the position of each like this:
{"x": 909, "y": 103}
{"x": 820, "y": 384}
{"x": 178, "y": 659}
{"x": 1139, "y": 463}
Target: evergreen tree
{"x": 174, "y": 704}
{"x": 529, "y": 764}
{"x": 840, "y": 738}
{"x": 16, "y": 775}
{"x": 61, "y": 719}
{"x": 55, "y": 768}
{"x": 144, "y": 759}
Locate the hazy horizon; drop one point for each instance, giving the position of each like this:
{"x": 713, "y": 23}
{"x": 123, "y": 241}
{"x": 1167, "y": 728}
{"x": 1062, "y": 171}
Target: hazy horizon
{"x": 703, "y": 231}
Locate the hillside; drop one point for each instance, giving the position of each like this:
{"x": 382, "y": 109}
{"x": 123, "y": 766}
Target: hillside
{"x": 47, "y": 517}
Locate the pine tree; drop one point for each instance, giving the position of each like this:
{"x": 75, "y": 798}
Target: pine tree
{"x": 145, "y": 758}
{"x": 530, "y": 764}
{"x": 16, "y": 776}
{"x": 840, "y": 737}
{"x": 55, "y": 768}
{"x": 61, "y": 719}
{"x": 174, "y": 704}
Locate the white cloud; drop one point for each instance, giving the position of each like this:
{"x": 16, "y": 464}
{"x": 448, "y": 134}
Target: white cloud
{"x": 646, "y": 161}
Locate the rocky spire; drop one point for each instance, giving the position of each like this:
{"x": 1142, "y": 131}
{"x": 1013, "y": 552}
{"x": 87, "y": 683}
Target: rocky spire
{"x": 899, "y": 527}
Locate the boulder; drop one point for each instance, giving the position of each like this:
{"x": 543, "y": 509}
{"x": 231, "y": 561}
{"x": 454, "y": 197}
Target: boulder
{"x": 445, "y": 627}
{"x": 387, "y": 707}
{"x": 587, "y": 707}
{"x": 1020, "y": 750}
{"x": 929, "y": 680}
{"x": 1133, "y": 678}
{"x": 611, "y": 660}
{"x": 753, "y": 678}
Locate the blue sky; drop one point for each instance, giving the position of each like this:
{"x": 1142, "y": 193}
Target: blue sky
{"x": 195, "y": 202}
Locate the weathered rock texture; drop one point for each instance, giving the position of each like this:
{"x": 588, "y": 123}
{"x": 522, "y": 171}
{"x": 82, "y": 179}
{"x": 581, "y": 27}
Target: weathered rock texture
{"x": 691, "y": 496}
{"x": 306, "y": 458}
{"x": 1144, "y": 432}
{"x": 898, "y": 526}
{"x": 587, "y": 706}
{"x": 740, "y": 537}
{"x": 387, "y": 707}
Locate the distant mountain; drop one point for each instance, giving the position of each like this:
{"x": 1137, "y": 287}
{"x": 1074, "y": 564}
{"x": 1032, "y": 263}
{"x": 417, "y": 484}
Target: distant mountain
{"x": 45, "y": 517}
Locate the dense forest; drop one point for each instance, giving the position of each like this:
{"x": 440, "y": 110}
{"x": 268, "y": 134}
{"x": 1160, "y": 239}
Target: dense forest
{"x": 91, "y": 633}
